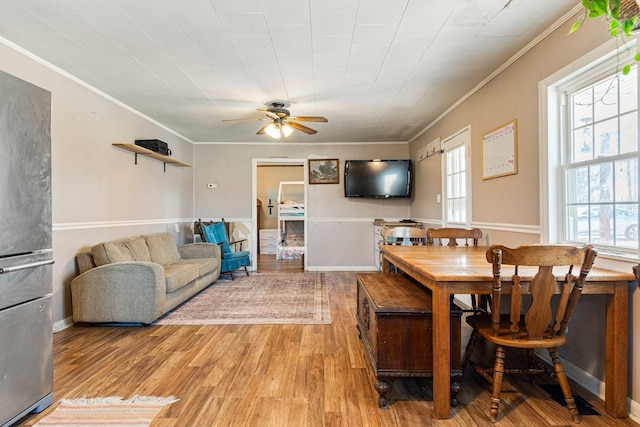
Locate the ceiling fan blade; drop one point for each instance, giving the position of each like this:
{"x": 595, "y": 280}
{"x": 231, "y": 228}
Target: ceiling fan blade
{"x": 262, "y": 130}
{"x": 300, "y": 127}
{"x": 309, "y": 119}
{"x": 269, "y": 113}
{"x": 242, "y": 120}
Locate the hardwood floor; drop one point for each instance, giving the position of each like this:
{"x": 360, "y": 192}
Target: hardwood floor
{"x": 278, "y": 375}
{"x": 267, "y": 262}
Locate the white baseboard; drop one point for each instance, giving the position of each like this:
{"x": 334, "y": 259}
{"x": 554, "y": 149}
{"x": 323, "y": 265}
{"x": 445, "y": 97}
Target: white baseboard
{"x": 63, "y": 324}
{"x": 592, "y": 384}
{"x": 342, "y": 268}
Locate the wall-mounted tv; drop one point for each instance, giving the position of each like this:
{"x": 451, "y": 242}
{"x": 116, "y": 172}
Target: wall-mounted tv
{"x": 377, "y": 178}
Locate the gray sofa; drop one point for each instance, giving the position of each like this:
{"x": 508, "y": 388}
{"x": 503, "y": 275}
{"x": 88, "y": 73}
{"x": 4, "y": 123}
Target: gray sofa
{"x": 138, "y": 279}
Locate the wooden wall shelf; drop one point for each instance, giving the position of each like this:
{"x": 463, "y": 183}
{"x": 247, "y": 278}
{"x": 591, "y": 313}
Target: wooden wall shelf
{"x": 148, "y": 153}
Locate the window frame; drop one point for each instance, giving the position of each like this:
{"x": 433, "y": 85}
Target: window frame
{"x": 453, "y": 142}
{"x": 597, "y": 64}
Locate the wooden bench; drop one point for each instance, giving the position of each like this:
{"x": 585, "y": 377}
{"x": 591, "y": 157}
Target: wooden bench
{"x": 394, "y": 322}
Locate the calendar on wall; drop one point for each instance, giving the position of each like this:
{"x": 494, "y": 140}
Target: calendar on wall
{"x": 500, "y": 151}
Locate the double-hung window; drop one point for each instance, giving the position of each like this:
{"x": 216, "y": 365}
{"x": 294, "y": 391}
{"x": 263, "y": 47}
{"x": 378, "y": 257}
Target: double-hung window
{"x": 456, "y": 179}
{"x": 599, "y": 160}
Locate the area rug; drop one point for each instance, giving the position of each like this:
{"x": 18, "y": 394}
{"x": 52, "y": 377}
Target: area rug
{"x": 139, "y": 411}
{"x": 262, "y": 298}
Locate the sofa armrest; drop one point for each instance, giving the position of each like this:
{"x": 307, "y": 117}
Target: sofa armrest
{"x": 199, "y": 250}
{"x": 124, "y": 292}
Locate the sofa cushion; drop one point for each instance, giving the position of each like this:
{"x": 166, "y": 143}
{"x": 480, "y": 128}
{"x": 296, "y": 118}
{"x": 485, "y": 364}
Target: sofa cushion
{"x": 85, "y": 261}
{"x": 178, "y": 275}
{"x": 162, "y": 248}
{"x": 138, "y": 248}
{"x": 205, "y": 265}
{"x": 109, "y": 252}
{"x": 127, "y": 249}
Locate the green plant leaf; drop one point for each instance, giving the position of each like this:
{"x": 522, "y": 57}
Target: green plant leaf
{"x": 599, "y": 6}
{"x": 626, "y": 69}
{"x": 574, "y": 27}
{"x": 614, "y": 25}
{"x": 636, "y": 57}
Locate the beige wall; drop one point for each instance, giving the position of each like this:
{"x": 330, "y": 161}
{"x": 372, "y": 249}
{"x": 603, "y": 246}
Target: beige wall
{"x": 98, "y": 192}
{"x": 507, "y": 209}
{"x": 328, "y": 212}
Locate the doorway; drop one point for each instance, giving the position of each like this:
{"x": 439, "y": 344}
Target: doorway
{"x": 267, "y": 175}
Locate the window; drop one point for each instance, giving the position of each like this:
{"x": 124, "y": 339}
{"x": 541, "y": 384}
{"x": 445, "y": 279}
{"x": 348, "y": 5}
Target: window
{"x": 599, "y": 159}
{"x": 456, "y": 179}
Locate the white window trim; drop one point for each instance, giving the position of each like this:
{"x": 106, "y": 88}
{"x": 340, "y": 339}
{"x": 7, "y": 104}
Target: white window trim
{"x": 443, "y": 168}
{"x": 549, "y": 104}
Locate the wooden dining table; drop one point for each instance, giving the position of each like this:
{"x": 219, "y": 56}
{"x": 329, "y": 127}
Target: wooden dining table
{"x": 465, "y": 270}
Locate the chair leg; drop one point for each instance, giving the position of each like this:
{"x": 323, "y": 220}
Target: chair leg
{"x": 474, "y": 304}
{"x": 233, "y": 277}
{"x": 498, "y": 372}
{"x": 245, "y": 270}
{"x": 471, "y": 346}
{"x": 564, "y": 385}
{"x": 531, "y": 354}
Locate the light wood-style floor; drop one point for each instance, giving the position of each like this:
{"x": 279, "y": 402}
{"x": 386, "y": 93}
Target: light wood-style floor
{"x": 277, "y": 375}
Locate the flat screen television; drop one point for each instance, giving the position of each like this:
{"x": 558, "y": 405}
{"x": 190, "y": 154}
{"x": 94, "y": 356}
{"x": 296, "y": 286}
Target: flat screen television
{"x": 377, "y": 178}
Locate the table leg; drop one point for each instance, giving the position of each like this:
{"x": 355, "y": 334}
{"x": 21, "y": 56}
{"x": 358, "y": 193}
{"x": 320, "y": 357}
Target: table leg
{"x": 441, "y": 351}
{"x": 617, "y": 351}
{"x": 385, "y": 265}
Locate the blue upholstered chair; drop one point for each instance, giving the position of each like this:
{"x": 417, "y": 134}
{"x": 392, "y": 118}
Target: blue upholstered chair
{"x": 232, "y": 259}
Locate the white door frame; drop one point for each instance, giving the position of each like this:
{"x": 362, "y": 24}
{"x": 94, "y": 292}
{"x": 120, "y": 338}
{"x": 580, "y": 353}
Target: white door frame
{"x": 254, "y": 197}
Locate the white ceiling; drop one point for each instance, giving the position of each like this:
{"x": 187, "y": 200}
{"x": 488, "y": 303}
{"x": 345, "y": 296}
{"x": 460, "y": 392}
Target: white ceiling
{"x": 378, "y": 70}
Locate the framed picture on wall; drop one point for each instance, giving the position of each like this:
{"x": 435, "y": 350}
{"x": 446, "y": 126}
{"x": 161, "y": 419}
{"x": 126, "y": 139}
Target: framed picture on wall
{"x": 324, "y": 171}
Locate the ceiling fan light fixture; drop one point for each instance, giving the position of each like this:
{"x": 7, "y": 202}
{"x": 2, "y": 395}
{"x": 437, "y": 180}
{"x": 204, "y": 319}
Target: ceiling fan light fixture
{"x": 278, "y": 130}
{"x": 287, "y": 130}
{"x": 273, "y": 131}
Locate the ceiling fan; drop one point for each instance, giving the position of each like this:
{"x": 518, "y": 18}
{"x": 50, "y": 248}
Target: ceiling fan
{"x": 282, "y": 123}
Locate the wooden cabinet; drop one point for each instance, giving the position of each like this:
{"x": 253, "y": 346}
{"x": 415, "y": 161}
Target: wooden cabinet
{"x": 394, "y": 321}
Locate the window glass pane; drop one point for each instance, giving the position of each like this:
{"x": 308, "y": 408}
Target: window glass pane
{"x": 578, "y": 185}
{"x": 628, "y": 91}
{"x": 582, "y": 108}
{"x": 626, "y": 225}
{"x": 629, "y": 133}
{"x": 450, "y": 161}
{"x": 451, "y": 186}
{"x": 601, "y": 183}
{"x": 606, "y": 99}
{"x": 457, "y": 210}
{"x": 461, "y": 159}
{"x": 626, "y": 180}
{"x": 582, "y": 144}
{"x": 606, "y": 141}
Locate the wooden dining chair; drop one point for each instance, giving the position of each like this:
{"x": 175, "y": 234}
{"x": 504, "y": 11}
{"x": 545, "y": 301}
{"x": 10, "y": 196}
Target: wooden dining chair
{"x": 403, "y": 236}
{"x": 533, "y": 320}
{"x": 450, "y": 236}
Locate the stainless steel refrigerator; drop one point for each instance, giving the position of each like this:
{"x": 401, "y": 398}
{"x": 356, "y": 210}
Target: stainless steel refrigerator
{"x": 26, "y": 331}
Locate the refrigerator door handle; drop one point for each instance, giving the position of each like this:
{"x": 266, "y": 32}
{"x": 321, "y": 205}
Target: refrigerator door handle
{"x": 4, "y": 270}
